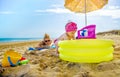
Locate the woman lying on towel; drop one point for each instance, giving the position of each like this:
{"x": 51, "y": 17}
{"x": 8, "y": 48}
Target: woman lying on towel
{"x": 45, "y": 44}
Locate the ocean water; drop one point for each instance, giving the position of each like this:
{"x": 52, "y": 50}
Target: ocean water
{"x": 17, "y": 39}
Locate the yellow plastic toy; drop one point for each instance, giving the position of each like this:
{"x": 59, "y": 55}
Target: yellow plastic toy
{"x": 11, "y": 57}
{"x": 86, "y": 50}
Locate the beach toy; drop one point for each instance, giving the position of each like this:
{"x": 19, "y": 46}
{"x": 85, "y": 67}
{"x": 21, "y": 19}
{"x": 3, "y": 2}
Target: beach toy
{"x": 11, "y": 63}
{"x": 87, "y": 32}
{"x": 30, "y": 48}
{"x": 39, "y": 48}
{"x": 23, "y": 62}
{"x": 11, "y": 58}
{"x": 86, "y": 50}
{"x": 22, "y": 58}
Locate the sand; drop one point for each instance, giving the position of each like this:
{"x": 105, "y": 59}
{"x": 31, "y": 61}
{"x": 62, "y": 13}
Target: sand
{"x": 46, "y": 64}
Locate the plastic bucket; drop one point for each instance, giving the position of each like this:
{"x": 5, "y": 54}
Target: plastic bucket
{"x": 14, "y": 58}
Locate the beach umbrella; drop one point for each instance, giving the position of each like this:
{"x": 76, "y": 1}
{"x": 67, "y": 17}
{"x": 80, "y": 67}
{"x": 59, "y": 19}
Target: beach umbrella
{"x": 84, "y": 6}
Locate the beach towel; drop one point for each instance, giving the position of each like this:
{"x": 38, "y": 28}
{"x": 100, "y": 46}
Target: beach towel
{"x": 32, "y": 48}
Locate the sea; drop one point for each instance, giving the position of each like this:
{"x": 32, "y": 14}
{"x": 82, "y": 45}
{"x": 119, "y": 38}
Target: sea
{"x": 3, "y": 40}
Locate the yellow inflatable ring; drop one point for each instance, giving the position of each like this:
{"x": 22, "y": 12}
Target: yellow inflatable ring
{"x": 86, "y": 50}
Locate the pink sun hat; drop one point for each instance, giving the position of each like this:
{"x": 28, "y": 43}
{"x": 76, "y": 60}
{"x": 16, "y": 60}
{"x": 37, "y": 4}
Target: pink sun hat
{"x": 71, "y": 26}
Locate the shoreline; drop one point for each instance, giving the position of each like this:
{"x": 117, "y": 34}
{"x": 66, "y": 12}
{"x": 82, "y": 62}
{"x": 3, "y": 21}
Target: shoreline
{"x": 15, "y": 42}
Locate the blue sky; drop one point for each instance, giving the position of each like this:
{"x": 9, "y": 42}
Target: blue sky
{"x": 33, "y": 18}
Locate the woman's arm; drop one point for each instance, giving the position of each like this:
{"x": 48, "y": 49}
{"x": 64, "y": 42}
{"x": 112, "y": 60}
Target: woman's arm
{"x": 40, "y": 45}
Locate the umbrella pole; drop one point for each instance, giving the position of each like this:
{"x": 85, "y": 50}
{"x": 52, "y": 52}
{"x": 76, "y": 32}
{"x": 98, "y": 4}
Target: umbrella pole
{"x": 85, "y": 14}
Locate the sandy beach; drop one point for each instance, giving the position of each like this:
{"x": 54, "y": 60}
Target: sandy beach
{"x": 46, "y": 64}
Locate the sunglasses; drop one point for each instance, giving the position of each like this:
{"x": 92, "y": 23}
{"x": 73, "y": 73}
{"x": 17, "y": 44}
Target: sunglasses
{"x": 47, "y": 40}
